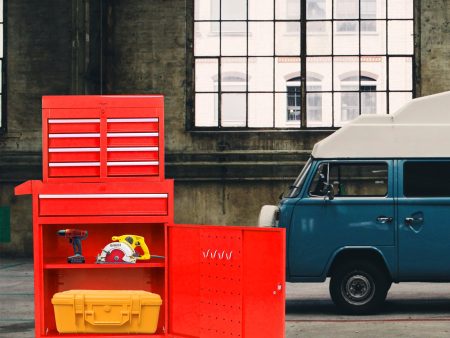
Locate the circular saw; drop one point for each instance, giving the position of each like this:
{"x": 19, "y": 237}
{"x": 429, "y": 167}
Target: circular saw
{"x": 124, "y": 250}
{"x": 117, "y": 252}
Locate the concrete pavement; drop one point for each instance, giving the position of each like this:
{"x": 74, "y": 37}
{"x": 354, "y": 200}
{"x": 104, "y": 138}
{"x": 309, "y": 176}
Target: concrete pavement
{"x": 412, "y": 309}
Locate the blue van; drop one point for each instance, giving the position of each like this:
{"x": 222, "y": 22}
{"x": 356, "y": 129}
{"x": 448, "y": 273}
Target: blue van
{"x": 371, "y": 207}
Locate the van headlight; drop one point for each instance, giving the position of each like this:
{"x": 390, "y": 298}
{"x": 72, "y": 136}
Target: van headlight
{"x": 268, "y": 216}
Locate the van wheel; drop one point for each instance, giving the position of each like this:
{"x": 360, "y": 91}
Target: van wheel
{"x": 358, "y": 287}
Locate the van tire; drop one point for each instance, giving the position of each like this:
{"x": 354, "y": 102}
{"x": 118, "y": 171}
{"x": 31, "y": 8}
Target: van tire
{"x": 359, "y": 287}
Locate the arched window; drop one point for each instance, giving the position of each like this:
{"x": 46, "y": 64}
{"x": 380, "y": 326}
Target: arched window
{"x": 366, "y": 87}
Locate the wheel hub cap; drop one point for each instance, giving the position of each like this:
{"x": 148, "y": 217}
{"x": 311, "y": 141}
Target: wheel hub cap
{"x": 358, "y": 290}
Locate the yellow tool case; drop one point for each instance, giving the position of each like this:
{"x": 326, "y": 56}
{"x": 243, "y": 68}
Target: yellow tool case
{"x": 106, "y": 311}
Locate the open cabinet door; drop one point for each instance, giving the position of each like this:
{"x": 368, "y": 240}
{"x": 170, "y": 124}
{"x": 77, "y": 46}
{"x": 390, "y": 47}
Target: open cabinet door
{"x": 226, "y": 281}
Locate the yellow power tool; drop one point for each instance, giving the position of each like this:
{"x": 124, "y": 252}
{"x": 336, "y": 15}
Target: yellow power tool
{"x": 123, "y": 250}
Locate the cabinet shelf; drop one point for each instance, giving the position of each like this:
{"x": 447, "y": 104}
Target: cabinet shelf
{"x": 61, "y": 264}
{"x": 55, "y": 334}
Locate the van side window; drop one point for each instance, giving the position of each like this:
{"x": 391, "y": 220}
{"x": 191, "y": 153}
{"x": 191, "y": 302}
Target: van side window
{"x": 351, "y": 179}
{"x": 426, "y": 179}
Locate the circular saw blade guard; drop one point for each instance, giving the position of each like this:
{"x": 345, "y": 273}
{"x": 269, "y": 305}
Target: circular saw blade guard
{"x": 117, "y": 252}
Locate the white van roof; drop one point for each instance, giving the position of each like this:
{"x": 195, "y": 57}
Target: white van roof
{"x": 421, "y": 128}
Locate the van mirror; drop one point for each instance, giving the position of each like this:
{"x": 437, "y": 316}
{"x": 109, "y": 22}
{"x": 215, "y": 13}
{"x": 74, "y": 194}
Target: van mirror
{"x": 328, "y": 192}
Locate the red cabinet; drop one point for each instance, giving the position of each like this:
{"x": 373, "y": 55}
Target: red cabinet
{"x": 214, "y": 281}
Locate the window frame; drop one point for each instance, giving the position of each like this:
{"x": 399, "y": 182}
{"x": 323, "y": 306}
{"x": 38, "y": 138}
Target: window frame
{"x": 414, "y": 57}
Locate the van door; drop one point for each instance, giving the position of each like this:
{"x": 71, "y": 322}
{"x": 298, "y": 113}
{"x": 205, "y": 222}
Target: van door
{"x": 424, "y": 219}
{"x": 361, "y": 214}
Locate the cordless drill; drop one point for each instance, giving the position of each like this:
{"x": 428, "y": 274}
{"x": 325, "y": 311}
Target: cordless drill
{"x": 75, "y": 237}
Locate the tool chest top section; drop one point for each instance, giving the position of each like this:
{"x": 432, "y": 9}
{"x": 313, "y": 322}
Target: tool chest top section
{"x": 103, "y": 138}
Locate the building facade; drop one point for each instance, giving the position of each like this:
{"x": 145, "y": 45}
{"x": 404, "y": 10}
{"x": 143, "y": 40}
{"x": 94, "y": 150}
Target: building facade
{"x": 250, "y": 86}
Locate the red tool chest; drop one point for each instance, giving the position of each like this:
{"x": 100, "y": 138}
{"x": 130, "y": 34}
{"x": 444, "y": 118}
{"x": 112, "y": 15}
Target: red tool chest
{"x": 102, "y": 139}
{"x": 215, "y": 281}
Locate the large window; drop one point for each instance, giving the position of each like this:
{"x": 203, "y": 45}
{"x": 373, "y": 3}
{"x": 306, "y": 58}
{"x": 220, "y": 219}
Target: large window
{"x": 2, "y": 103}
{"x": 300, "y": 63}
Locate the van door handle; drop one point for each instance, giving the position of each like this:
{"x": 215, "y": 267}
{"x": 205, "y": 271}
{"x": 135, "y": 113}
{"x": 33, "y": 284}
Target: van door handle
{"x": 412, "y": 220}
{"x": 384, "y": 219}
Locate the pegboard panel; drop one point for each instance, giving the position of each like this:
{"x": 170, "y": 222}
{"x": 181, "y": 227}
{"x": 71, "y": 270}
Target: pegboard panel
{"x": 225, "y": 281}
{"x": 220, "y": 283}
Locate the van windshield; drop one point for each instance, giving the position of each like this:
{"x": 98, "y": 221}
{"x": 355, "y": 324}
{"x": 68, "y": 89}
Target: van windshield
{"x": 297, "y": 186}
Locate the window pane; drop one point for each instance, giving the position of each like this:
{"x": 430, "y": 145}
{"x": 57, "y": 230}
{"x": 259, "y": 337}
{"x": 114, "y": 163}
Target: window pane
{"x": 318, "y": 43}
{"x": 400, "y": 9}
{"x": 260, "y": 110}
{"x": 206, "y": 9}
{"x": 234, "y": 110}
{"x": 281, "y": 112}
{"x": 346, "y": 42}
{"x": 294, "y": 101}
{"x": 287, "y": 10}
{"x": 374, "y": 67}
{"x": 351, "y": 180}
{"x": 286, "y": 68}
{"x": 373, "y": 43}
{"x": 359, "y": 179}
{"x": 347, "y": 27}
{"x": 349, "y": 106}
{"x": 318, "y": 9}
{"x": 260, "y": 38}
{"x": 287, "y": 38}
{"x": 207, "y": 39}
{"x": 206, "y": 72}
{"x": 234, "y": 38}
{"x": 346, "y": 73}
{"x": 319, "y": 181}
{"x": 400, "y": 37}
{"x": 426, "y": 179}
{"x": 206, "y": 111}
{"x": 319, "y": 109}
{"x": 234, "y": 10}
{"x": 260, "y": 9}
{"x": 346, "y": 9}
{"x": 1, "y": 40}
{"x": 369, "y": 9}
{"x": 260, "y": 74}
{"x": 234, "y": 74}
{"x": 400, "y": 73}
{"x": 397, "y": 100}
{"x": 319, "y": 71}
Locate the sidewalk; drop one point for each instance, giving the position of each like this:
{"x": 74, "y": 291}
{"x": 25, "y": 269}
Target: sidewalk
{"x": 16, "y": 298}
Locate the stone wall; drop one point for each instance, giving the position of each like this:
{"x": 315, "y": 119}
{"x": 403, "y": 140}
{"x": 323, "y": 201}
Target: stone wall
{"x": 141, "y": 46}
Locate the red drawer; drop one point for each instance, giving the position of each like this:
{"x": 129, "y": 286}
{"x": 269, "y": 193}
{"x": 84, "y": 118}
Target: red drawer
{"x": 89, "y": 169}
{"x": 133, "y": 168}
{"x": 73, "y": 126}
{"x": 73, "y": 155}
{"x": 153, "y": 204}
{"x": 133, "y": 139}
{"x": 78, "y": 140}
{"x": 135, "y": 125}
{"x": 133, "y": 154}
